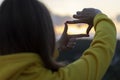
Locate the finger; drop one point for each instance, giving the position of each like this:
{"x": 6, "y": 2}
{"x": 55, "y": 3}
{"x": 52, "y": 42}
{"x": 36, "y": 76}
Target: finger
{"x": 71, "y": 45}
{"x": 88, "y": 29}
{"x": 78, "y": 36}
{"x": 80, "y": 16}
{"x": 76, "y": 16}
{"x": 66, "y": 28}
{"x": 72, "y": 40}
{"x": 78, "y": 12}
{"x": 73, "y": 22}
{"x": 70, "y": 22}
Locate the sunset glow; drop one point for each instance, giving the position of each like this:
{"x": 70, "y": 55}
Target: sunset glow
{"x": 73, "y": 29}
{"x": 77, "y": 29}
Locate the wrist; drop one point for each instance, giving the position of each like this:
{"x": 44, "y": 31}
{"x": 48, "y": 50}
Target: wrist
{"x": 98, "y": 18}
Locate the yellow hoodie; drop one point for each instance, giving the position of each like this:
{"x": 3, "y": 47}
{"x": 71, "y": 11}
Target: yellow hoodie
{"x": 91, "y": 66}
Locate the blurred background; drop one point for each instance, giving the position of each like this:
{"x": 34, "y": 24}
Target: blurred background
{"x": 62, "y": 10}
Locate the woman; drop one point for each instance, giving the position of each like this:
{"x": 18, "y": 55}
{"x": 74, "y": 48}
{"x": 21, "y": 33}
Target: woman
{"x": 27, "y": 44}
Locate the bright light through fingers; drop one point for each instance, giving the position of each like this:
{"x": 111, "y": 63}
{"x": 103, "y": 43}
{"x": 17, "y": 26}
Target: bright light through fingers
{"x": 77, "y": 29}
{"x": 73, "y": 29}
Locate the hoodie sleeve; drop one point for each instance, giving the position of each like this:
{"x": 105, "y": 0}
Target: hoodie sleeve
{"x": 97, "y": 58}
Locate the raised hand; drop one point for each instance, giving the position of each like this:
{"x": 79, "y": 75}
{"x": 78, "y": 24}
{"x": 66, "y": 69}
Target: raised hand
{"x": 85, "y": 16}
{"x": 66, "y": 41}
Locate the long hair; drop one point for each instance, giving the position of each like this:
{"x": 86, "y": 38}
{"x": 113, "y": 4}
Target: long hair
{"x": 26, "y": 26}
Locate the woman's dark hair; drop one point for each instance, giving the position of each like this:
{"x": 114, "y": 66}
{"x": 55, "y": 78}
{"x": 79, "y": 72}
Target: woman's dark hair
{"x": 26, "y": 26}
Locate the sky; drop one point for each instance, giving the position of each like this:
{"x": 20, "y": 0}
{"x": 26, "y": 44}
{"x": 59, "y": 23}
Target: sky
{"x": 71, "y": 6}
{"x": 62, "y": 10}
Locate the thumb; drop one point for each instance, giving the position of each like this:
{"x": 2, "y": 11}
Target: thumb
{"x": 89, "y": 28}
{"x": 65, "y": 28}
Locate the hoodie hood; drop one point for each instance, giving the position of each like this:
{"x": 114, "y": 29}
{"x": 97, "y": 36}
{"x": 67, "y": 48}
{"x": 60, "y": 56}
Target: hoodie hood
{"x": 16, "y": 66}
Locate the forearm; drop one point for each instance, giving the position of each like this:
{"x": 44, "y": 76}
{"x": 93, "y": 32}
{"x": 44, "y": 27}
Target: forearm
{"x": 105, "y": 36}
{"x": 96, "y": 59}
{"x": 103, "y": 45}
